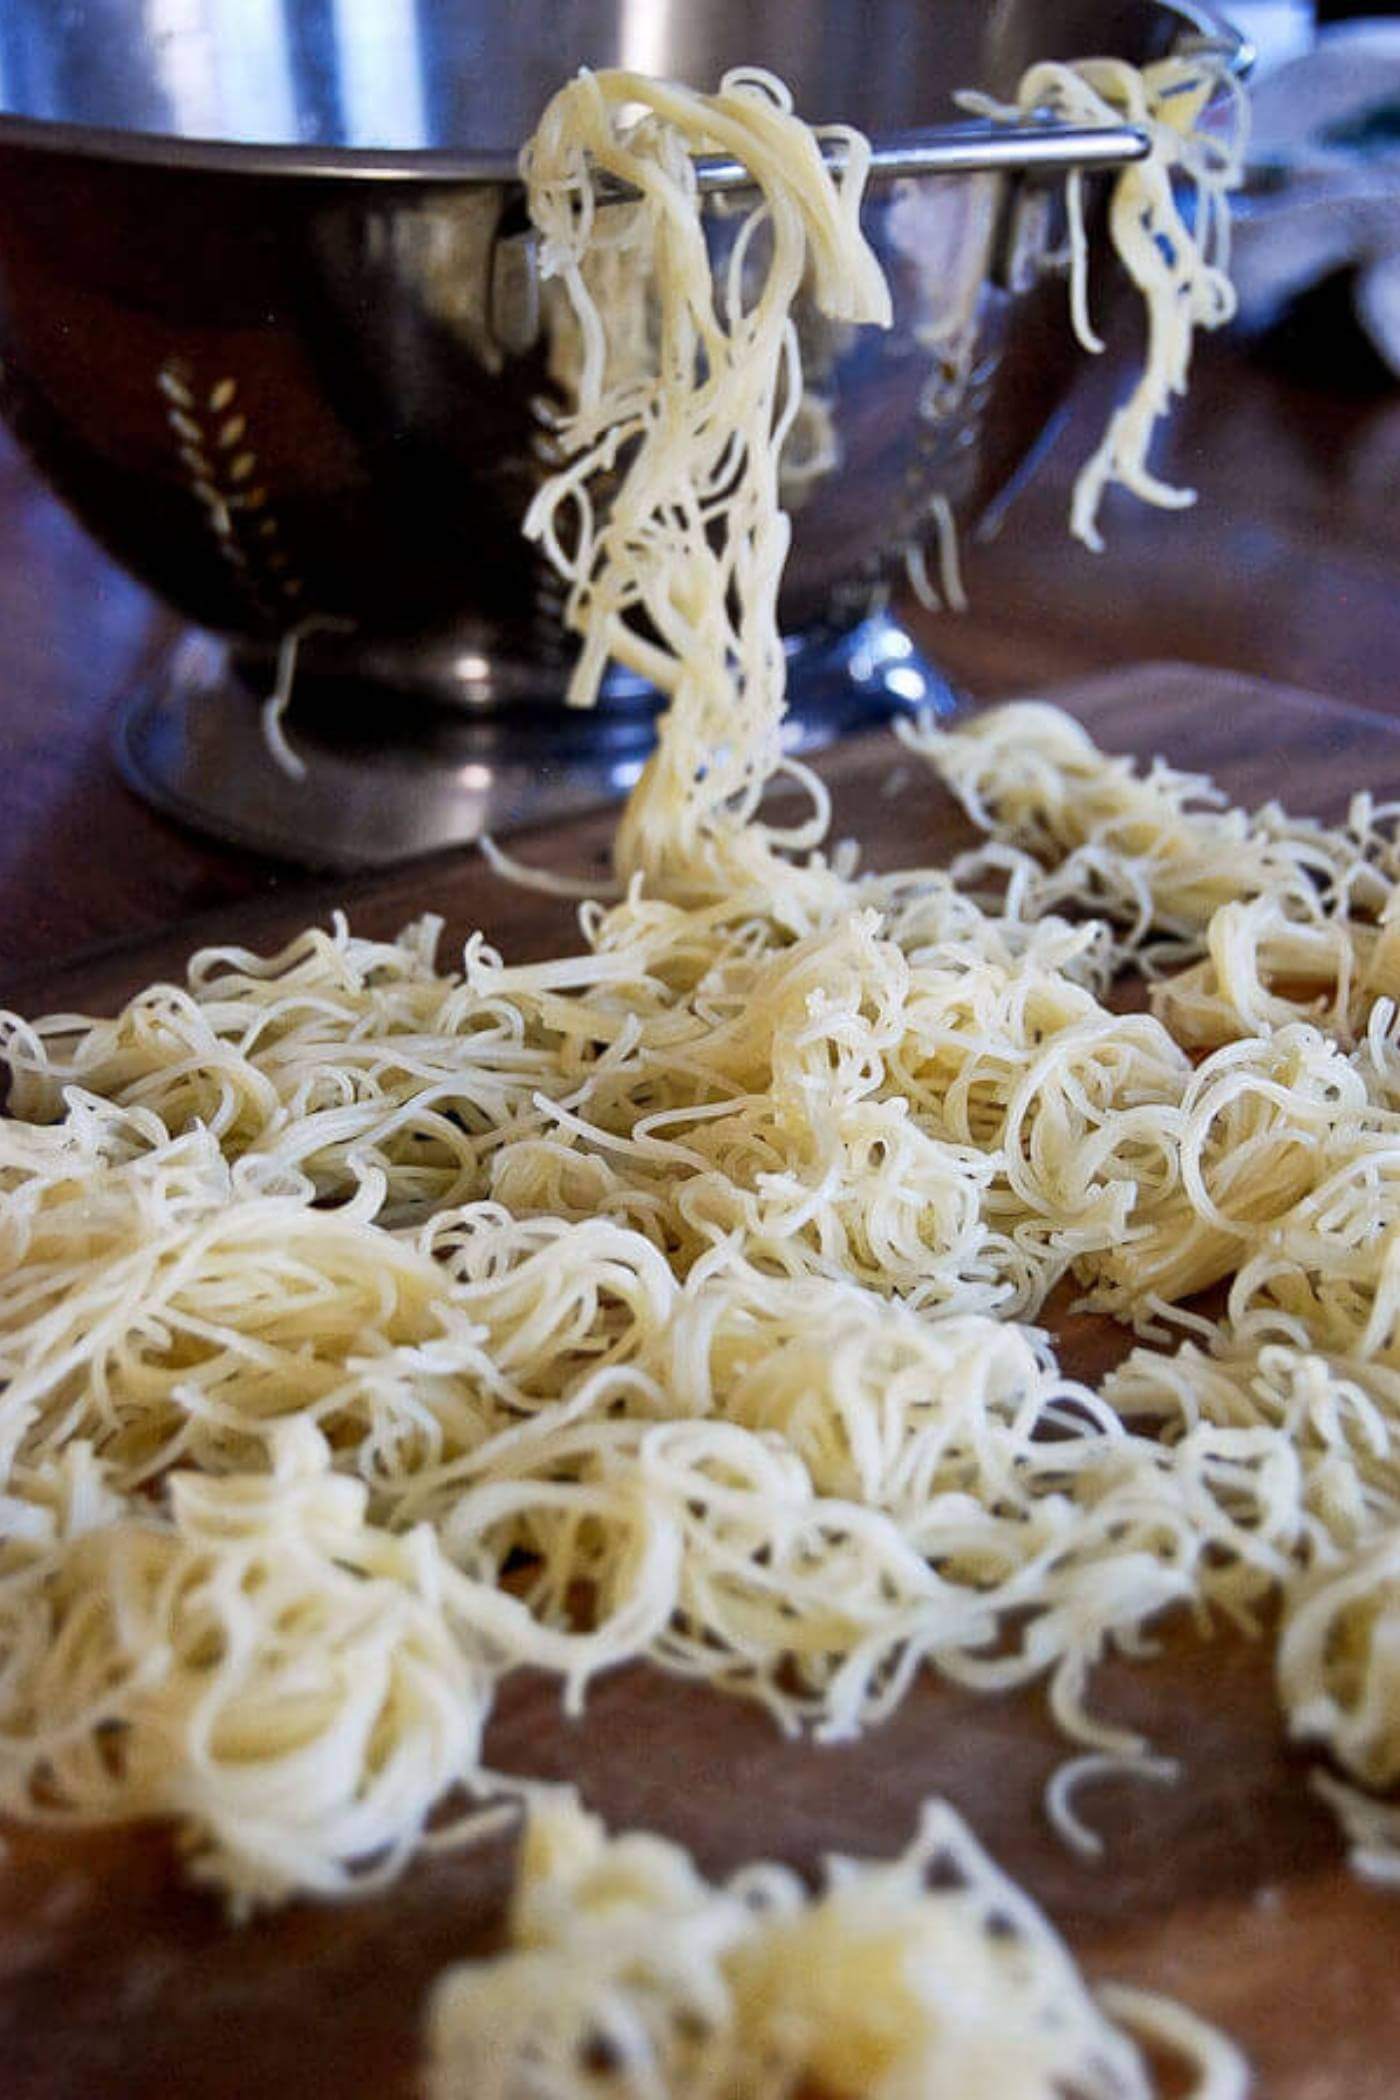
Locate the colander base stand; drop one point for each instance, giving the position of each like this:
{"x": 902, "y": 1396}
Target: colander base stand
{"x": 409, "y": 778}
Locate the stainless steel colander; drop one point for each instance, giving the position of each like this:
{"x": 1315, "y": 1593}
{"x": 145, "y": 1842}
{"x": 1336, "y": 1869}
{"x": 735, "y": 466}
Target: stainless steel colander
{"x": 270, "y": 324}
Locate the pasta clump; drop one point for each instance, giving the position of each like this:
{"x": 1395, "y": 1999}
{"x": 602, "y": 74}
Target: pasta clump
{"x": 252, "y": 1660}
{"x": 929, "y": 1975}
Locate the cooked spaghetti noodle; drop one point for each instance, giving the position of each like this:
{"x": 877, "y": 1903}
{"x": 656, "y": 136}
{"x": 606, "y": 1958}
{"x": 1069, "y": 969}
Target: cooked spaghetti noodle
{"x": 1176, "y": 253}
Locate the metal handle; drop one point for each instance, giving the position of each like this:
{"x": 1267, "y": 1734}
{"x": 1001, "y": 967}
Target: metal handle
{"x": 1040, "y": 143}
{"x": 952, "y": 149}
{"x": 970, "y": 149}
{"x": 1212, "y": 36}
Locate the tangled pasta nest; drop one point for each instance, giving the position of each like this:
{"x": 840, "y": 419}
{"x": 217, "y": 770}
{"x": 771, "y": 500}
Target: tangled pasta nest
{"x": 629, "y": 1974}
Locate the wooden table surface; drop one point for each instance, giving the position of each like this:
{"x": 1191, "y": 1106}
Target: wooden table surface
{"x": 1289, "y": 567}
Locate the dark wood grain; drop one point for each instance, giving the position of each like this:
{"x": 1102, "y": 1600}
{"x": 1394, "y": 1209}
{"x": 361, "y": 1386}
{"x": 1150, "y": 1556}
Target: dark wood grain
{"x": 1288, "y": 568}
{"x": 1229, "y": 1891}
{"x": 1265, "y": 739}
